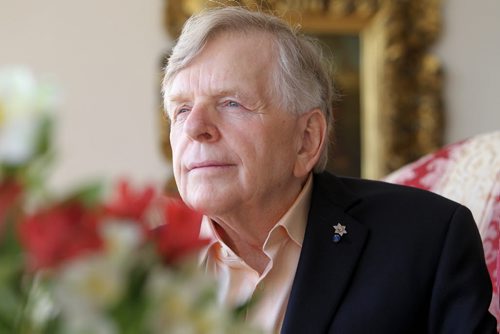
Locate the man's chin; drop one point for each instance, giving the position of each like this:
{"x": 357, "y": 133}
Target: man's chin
{"x": 207, "y": 204}
{"x": 210, "y": 207}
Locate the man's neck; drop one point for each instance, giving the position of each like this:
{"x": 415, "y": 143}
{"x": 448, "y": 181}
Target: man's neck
{"x": 249, "y": 250}
{"x": 247, "y": 234}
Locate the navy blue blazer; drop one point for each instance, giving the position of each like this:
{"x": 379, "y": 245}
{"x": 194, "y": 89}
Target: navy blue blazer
{"x": 411, "y": 262}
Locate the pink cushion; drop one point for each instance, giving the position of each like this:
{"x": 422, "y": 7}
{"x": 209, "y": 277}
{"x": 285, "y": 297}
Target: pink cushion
{"x": 467, "y": 172}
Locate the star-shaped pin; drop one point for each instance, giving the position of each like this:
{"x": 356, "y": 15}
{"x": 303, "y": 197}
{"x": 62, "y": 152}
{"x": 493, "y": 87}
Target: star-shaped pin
{"x": 340, "y": 229}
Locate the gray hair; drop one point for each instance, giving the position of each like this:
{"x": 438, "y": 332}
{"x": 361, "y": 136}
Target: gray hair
{"x": 302, "y": 81}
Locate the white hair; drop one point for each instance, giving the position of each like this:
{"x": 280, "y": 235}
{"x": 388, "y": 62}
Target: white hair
{"x": 302, "y": 80}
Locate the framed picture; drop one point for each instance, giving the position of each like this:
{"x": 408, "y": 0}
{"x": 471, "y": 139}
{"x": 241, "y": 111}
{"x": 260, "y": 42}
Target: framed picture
{"x": 390, "y": 112}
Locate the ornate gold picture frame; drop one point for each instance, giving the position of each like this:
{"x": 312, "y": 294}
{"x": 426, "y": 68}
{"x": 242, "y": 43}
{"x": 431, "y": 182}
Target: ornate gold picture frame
{"x": 401, "y": 82}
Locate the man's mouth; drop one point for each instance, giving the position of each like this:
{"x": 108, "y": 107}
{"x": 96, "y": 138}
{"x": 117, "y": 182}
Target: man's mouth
{"x": 208, "y": 164}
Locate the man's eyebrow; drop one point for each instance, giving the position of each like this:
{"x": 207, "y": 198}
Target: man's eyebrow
{"x": 175, "y": 98}
{"x": 239, "y": 94}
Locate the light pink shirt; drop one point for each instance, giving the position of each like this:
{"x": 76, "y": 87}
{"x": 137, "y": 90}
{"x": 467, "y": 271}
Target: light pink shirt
{"x": 238, "y": 282}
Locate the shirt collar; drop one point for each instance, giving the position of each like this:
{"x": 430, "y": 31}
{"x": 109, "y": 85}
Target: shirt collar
{"x": 295, "y": 219}
{"x": 294, "y": 222}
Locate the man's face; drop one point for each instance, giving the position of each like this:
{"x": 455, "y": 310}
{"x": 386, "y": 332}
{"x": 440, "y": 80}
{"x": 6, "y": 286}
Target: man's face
{"x": 233, "y": 148}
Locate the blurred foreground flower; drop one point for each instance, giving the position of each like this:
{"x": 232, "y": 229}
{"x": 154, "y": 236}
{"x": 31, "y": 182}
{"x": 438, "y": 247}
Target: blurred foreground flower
{"x": 86, "y": 264}
{"x": 24, "y": 108}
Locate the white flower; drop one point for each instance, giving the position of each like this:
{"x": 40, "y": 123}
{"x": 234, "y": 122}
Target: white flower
{"x": 185, "y": 303}
{"x": 121, "y": 239}
{"x": 92, "y": 282}
{"x": 23, "y": 104}
{"x": 88, "y": 323}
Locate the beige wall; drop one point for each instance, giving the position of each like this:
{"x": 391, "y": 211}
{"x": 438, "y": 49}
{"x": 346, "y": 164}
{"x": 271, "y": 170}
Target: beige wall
{"x": 105, "y": 57}
{"x": 470, "y": 51}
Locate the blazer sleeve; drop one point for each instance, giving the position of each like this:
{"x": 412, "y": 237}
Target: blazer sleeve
{"x": 462, "y": 288}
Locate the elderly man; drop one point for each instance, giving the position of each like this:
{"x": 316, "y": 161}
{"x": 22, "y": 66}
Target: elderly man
{"x": 249, "y": 101}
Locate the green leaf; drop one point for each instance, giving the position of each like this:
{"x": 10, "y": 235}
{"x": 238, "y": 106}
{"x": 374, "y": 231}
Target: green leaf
{"x": 90, "y": 194}
{"x": 9, "y": 241}
{"x": 44, "y": 135}
{"x": 6, "y": 326}
{"x": 53, "y": 326}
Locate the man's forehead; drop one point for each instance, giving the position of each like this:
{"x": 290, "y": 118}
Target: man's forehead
{"x": 254, "y": 43}
{"x": 224, "y": 67}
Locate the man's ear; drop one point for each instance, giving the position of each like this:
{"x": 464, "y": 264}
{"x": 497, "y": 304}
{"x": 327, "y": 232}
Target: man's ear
{"x": 313, "y": 129}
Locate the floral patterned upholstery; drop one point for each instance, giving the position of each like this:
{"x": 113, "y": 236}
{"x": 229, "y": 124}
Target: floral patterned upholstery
{"x": 467, "y": 172}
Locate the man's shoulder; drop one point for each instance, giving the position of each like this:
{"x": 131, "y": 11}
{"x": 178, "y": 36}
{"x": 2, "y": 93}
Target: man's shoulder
{"x": 379, "y": 194}
{"x": 409, "y": 215}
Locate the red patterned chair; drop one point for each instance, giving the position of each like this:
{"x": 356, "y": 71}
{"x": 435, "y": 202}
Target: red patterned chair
{"x": 467, "y": 172}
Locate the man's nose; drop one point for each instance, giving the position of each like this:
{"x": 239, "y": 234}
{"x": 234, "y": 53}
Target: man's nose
{"x": 200, "y": 124}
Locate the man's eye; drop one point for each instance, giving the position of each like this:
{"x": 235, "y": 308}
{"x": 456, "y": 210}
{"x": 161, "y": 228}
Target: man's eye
{"x": 182, "y": 110}
{"x": 232, "y": 104}
{"x": 179, "y": 113}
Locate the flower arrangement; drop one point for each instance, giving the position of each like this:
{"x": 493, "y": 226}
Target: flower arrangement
{"x": 84, "y": 263}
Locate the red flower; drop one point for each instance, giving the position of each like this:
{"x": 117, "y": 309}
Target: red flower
{"x": 180, "y": 236}
{"x": 58, "y": 234}
{"x": 130, "y": 204}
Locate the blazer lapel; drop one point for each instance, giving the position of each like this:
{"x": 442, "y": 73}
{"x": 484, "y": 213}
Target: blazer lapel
{"x": 325, "y": 267}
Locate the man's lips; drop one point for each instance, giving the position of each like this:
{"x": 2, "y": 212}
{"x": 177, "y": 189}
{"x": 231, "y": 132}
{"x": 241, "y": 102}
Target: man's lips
{"x": 208, "y": 164}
